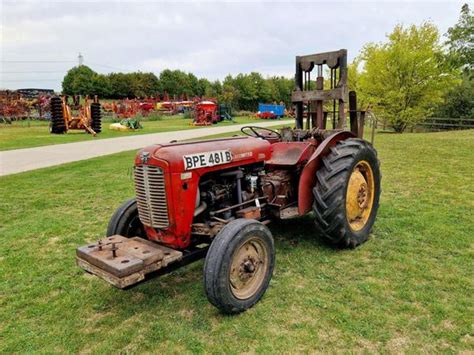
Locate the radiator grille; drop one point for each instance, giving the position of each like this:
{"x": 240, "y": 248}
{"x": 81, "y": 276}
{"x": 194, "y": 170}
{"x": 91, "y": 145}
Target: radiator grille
{"x": 151, "y": 196}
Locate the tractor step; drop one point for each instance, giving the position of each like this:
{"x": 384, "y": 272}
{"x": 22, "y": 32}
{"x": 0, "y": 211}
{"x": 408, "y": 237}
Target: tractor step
{"x": 125, "y": 261}
{"x": 289, "y": 212}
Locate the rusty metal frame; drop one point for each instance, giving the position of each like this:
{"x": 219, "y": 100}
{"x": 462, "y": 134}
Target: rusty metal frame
{"x": 304, "y": 92}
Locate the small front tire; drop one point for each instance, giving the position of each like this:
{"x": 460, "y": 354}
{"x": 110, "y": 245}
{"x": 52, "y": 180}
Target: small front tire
{"x": 126, "y": 222}
{"x": 239, "y": 265}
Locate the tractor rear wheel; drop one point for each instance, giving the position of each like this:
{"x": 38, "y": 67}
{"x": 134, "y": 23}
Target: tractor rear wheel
{"x": 96, "y": 117}
{"x": 239, "y": 265}
{"x": 57, "y": 124}
{"x": 125, "y": 221}
{"x": 347, "y": 191}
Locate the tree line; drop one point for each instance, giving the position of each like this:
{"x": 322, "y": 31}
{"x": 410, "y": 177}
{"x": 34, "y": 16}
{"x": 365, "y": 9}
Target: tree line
{"x": 243, "y": 91}
{"x": 414, "y": 74}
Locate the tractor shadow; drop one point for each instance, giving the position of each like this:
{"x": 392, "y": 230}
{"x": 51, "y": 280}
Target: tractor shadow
{"x": 183, "y": 288}
{"x": 295, "y": 231}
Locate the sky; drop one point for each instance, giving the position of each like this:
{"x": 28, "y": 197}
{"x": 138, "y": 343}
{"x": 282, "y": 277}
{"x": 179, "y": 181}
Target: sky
{"x": 41, "y": 40}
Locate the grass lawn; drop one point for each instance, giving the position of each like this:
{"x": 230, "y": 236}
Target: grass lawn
{"x": 26, "y": 134}
{"x": 409, "y": 288}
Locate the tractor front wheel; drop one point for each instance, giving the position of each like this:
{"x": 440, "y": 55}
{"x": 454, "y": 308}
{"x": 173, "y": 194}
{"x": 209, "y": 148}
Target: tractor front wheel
{"x": 347, "y": 191}
{"x": 125, "y": 221}
{"x": 239, "y": 265}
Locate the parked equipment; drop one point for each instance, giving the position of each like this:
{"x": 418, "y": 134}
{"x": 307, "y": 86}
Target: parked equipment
{"x": 270, "y": 111}
{"x": 89, "y": 117}
{"x": 126, "y": 125}
{"x": 205, "y": 113}
{"x": 225, "y": 112}
{"x": 215, "y": 198}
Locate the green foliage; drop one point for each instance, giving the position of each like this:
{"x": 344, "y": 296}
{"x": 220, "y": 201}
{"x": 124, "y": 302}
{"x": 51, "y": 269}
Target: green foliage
{"x": 144, "y": 84}
{"x": 80, "y": 80}
{"x": 230, "y": 94}
{"x": 459, "y": 102}
{"x": 405, "y": 77}
{"x": 354, "y": 83}
{"x": 178, "y": 83}
{"x": 243, "y": 91}
{"x": 461, "y": 40}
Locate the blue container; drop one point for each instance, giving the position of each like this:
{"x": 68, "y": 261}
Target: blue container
{"x": 278, "y": 110}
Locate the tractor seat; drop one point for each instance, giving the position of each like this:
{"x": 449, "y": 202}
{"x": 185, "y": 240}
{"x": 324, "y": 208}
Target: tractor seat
{"x": 290, "y": 153}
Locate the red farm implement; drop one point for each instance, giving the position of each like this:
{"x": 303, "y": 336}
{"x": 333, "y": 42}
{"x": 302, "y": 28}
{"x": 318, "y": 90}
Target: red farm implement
{"x": 13, "y": 106}
{"x": 205, "y": 113}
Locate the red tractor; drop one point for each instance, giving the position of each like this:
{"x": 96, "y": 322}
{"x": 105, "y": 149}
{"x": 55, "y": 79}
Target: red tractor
{"x": 215, "y": 198}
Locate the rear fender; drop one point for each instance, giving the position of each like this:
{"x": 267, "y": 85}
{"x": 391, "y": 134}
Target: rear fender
{"x": 308, "y": 175}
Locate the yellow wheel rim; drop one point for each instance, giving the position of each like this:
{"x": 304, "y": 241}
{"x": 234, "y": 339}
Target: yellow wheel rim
{"x": 360, "y": 195}
{"x": 248, "y": 268}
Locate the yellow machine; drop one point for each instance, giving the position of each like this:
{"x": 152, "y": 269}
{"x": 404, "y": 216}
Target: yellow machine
{"x": 62, "y": 119}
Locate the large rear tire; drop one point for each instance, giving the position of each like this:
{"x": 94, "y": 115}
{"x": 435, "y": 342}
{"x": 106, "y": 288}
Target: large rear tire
{"x": 125, "y": 221}
{"x": 347, "y": 192}
{"x": 239, "y": 265}
{"x": 57, "y": 124}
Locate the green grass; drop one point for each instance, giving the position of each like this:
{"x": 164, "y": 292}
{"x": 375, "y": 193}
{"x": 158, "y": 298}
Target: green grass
{"x": 27, "y": 134}
{"x": 408, "y": 289}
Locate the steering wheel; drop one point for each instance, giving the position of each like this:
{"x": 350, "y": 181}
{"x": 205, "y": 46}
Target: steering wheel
{"x": 260, "y": 132}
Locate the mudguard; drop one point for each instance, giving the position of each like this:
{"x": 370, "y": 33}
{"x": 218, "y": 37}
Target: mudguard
{"x": 308, "y": 175}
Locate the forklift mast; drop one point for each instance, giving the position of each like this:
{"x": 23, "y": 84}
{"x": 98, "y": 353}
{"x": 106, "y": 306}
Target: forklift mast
{"x": 309, "y": 96}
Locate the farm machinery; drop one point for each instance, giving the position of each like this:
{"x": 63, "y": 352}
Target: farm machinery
{"x": 13, "y": 106}
{"x": 215, "y": 198}
{"x": 206, "y": 113}
{"x": 62, "y": 119}
{"x": 270, "y": 111}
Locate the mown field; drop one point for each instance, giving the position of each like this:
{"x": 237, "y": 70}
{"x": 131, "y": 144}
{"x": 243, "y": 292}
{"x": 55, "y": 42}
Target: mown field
{"x": 408, "y": 289}
{"x": 26, "y": 134}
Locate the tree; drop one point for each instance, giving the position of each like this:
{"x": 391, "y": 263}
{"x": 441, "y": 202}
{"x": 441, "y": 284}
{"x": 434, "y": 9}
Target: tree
{"x": 407, "y": 76}
{"x": 244, "y": 91}
{"x": 230, "y": 94}
{"x": 191, "y": 85}
{"x": 100, "y": 86}
{"x": 79, "y": 81}
{"x": 143, "y": 84}
{"x": 461, "y": 40}
{"x": 215, "y": 89}
{"x": 459, "y": 102}
{"x": 280, "y": 89}
{"x": 120, "y": 85}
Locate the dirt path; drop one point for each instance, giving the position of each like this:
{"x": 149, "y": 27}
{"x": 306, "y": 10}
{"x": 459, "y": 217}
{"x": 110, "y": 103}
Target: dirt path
{"x": 20, "y": 160}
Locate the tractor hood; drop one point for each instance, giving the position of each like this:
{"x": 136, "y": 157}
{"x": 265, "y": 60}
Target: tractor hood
{"x": 208, "y": 155}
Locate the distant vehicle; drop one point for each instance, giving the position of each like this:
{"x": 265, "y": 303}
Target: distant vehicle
{"x": 270, "y": 111}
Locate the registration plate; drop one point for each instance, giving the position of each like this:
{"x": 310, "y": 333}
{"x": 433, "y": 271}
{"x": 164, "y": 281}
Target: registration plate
{"x": 206, "y": 159}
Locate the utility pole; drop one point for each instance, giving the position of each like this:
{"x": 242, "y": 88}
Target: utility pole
{"x": 80, "y": 59}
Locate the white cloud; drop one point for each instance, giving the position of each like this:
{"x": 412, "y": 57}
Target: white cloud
{"x": 209, "y": 39}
